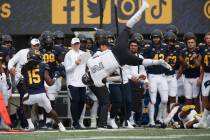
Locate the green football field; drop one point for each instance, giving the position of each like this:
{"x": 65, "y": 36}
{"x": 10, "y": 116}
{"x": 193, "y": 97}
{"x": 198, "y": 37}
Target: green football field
{"x": 121, "y": 134}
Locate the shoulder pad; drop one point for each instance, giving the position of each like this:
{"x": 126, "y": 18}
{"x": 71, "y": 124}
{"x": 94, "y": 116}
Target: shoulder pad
{"x": 164, "y": 44}
{"x": 184, "y": 49}
{"x": 147, "y": 45}
{"x": 201, "y": 45}
{"x": 181, "y": 43}
{"x": 177, "y": 46}
{"x": 46, "y": 66}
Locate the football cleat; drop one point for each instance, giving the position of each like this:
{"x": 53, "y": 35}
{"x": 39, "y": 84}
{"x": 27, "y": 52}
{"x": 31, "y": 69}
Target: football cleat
{"x": 112, "y": 124}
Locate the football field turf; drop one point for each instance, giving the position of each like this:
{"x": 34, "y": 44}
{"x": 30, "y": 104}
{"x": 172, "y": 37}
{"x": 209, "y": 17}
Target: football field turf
{"x": 121, "y": 134}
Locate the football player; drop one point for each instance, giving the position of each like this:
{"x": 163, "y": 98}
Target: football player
{"x": 7, "y": 42}
{"x": 156, "y": 77}
{"x": 205, "y": 59}
{"x": 173, "y": 59}
{"x": 5, "y": 84}
{"x": 190, "y": 66}
{"x": 35, "y": 73}
{"x": 51, "y": 57}
{"x": 15, "y": 65}
{"x": 187, "y": 116}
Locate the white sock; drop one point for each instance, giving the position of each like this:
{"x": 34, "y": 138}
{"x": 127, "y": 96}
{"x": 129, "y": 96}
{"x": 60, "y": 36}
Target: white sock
{"x": 171, "y": 114}
{"x": 131, "y": 118}
{"x": 60, "y": 124}
{"x": 41, "y": 117}
{"x": 82, "y": 114}
{"x": 160, "y": 112}
{"x": 151, "y": 112}
{"x": 205, "y": 113}
{"x": 171, "y": 105}
{"x": 29, "y": 121}
{"x": 108, "y": 114}
{"x": 164, "y": 111}
{"x": 94, "y": 110}
{"x": 137, "y": 16}
{"x": 48, "y": 120}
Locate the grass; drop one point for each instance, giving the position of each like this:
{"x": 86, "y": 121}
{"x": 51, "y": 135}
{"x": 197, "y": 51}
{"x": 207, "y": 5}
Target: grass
{"x": 158, "y": 134}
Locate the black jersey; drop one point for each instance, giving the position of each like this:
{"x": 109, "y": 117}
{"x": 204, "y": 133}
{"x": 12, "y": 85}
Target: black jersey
{"x": 191, "y": 70}
{"x": 49, "y": 58}
{"x": 172, "y": 59}
{"x": 156, "y": 53}
{"x": 205, "y": 53}
{"x": 34, "y": 78}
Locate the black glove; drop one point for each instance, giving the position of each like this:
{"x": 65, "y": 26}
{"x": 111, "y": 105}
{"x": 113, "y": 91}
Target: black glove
{"x": 62, "y": 70}
{"x": 57, "y": 74}
{"x": 104, "y": 80}
{"x": 87, "y": 80}
{"x": 9, "y": 84}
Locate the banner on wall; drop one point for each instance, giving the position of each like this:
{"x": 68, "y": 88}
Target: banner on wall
{"x": 34, "y": 16}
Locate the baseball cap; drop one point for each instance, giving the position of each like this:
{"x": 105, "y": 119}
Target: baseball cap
{"x": 35, "y": 41}
{"x": 75, "y": 40}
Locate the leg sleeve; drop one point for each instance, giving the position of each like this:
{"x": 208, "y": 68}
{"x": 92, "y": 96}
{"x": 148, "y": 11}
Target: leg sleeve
{"x": 122, "y": 52}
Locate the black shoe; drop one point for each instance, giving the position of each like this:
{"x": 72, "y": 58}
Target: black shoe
{"x": 102, "y": 127}
{"x": 152, "y": 126}
{"x": 163, "y": 125}
{"x": 77, "y": 127}
{"x": 138, "y": 123}
{"x": 49, "y": 126}
{"x": 42, "y": 124}
{"x": 158, "y": 123}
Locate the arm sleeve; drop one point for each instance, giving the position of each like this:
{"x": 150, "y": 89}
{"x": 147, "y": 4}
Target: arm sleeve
{"x": 14, "y": 60}
{"x": 69, "y": 64}
{"x": 129, "y": 72}
{"x": 142, "y": 70}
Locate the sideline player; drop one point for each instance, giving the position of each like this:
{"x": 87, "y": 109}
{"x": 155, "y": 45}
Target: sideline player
{"x": 157, "y": 79}
{"x": 205, "y": 57}
{"x": 35, "y": 74}
{"x": 172, "y": 59}
{"x": 190, "y": 66}
{"x": 187, "y": 116}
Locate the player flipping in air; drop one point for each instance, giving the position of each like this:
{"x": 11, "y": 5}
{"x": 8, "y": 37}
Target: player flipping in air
{"x": 104, "y": 64}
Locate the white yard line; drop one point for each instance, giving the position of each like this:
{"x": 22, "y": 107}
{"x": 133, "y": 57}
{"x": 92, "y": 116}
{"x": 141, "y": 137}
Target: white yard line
{"x": 121, "y": 137}
{"x": 137, "y": 137}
